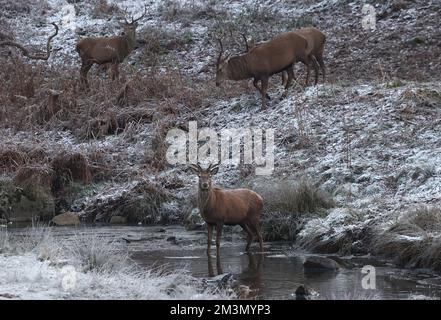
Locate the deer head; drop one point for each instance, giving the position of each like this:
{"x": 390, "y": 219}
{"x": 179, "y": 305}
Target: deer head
{"x": 222, "y": 69}
{"x": 130, "y": 26}
{"x": 205, "y": 175}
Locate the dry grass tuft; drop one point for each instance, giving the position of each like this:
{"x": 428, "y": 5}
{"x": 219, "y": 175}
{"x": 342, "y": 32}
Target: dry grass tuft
{"x": 295, "y": 198}
{"x": 102, "y": 9}
{"x": 71, "y": 167}
{"x": 37, "y": 175}
{"x": 11, "y": 159}
{"x": 155, "y": 156}
{"x": 140, "y": 204}
{"x": 414, "y": 240}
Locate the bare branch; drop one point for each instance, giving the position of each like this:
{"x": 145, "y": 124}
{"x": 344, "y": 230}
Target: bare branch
{"x": 26, "y": 53}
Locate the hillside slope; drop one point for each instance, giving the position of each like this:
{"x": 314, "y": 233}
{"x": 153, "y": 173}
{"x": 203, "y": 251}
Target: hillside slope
{"x": 369, "y": 137}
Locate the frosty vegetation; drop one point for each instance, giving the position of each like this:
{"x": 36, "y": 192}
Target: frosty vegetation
{"x": 36, "y": 265}
{"x": 357, "y": 158}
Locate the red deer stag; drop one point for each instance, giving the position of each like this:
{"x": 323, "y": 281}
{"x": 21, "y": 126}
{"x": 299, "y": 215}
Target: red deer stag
{"x": 108, "y": 50}
{"x": 274, "y": 56}
{"x": 219, "y": 207}
{"x": 316, "y": 44}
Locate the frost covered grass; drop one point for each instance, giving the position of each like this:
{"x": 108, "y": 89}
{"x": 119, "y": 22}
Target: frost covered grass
{"x": 342, "y": 231}
{"x": 414, "y": 240}
{"x": 35, "y": 264}
{"x": 293, "y": 198}
{"x": 353, "y": 295}
{"x": 287, "y": 204}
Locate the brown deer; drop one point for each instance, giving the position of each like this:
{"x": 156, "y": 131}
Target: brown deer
{"x": 261, "y": 62}
{"x": 108, "y": 50}
{"x": 316, "y": 44}
{"x": 219, "y": 207}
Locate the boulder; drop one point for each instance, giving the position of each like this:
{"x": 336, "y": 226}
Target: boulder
{"x": 118, "y": 220}
{"x": 194, "y": 221}
{"x": 320, "y": 263}
{"x": 66, "y": 219}
{"x": 304, "y": 292}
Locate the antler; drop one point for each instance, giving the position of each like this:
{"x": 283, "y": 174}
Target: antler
{"x": 221, "y": 51}
{"x": 197, "y": 167}
{"x": 246, "y": 41}
{"x": 142, "y": 16}
{"x": 212, "y": 166}
{"x": 126, "y": 14}
{"x": 26, "y": 51}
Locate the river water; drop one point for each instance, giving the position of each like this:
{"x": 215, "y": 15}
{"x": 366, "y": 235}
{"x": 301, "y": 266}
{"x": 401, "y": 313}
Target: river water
{"x": 274, "y": 274}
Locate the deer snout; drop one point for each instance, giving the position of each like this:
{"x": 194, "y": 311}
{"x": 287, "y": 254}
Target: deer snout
{"x": 204, "y": 185}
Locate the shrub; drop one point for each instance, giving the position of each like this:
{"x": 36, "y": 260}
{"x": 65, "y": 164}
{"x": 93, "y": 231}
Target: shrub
{"x": 285, "y": 204}
{"x": 279, "y": 226}
{"x": 71, "y": 167}
{"x": 295, "y": 198}
{"x": 96, "y": 253}
{"x": 142, "y": 203}
{"x": 102, "y": 9}
{"x": 414, "y": 240}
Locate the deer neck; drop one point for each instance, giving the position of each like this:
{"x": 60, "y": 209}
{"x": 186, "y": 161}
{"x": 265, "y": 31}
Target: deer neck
{"x": 205, "y": 200}
{"x": 238, "y": 67}
{"x": 130, "y": 40}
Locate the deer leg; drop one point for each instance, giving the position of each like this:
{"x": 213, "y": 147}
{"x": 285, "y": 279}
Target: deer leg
{"x": 322, "y": 66}
{"x": 308, "y": 70}
{"x": 218, "y": 239}
{"x": 115, "y": 71}
{"x": 210, "y": 234}
{"x": 210, "y": 266}
{"x": 249, "y": 236}
{"x": 316, "y": 68}
{"x": 218, "y": 265}
{"x": 256, "y": 228}
{"x": 264, "y": 81}
{"x": 255, "y": 81}
{"x": 290, "y": 77}
{"x": 284, "y": 78}
{"x": 85, "y": 67}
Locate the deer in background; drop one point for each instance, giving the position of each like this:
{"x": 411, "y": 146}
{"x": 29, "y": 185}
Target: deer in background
{"x": 108, "y": 50}
{"x": 261, "y": 62}
{"x": 316, "y": 44}
{"x": 219, "y": 207}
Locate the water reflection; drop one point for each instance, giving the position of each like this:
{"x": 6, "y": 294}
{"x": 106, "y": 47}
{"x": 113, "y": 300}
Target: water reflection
{"x": 252, "y": 271}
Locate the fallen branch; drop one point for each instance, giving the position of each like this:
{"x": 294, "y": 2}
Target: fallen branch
{"x": 26, "y": 53}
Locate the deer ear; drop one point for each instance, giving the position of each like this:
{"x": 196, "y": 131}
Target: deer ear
{"x": 214, "y": 170}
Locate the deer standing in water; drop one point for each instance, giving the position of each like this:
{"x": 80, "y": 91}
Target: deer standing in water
{"x": 219, "y": 207}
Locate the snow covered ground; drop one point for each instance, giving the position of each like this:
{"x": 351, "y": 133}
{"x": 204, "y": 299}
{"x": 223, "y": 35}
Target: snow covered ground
{"x": 369, "y": 139}
{"x": 38, "y": 266}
